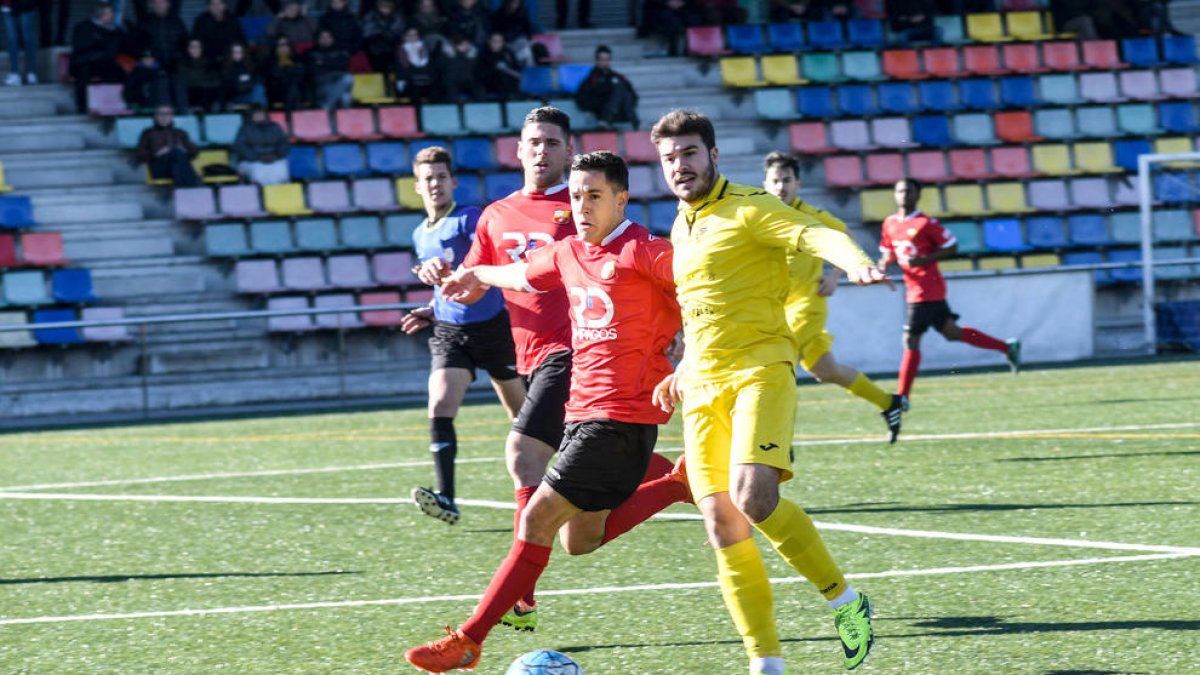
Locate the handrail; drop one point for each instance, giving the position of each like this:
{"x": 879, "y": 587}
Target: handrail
{"x": 211, "y": 316}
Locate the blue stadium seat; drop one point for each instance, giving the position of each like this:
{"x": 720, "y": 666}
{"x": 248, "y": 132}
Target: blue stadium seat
{"x": 1141, "y": 52}
{"x": 932, "y": 130}
{"x": 255, "y": 27}
{"x": 938, "y": 95}
{"x": 420, "y": 144}
{"x": 221, "y": 129}
{"x": 1088, "y": 229}
{"x": 475, "y": 154}
{"x": 949, "y": 28}
{"x": 1096, "y": 122}
{"x": 469, "y": 190}
{"x": 1125, "y": 153}
{"x": 857, "y": 100}
{"x": 271, "y": 236}
{"x": 745, "y": 39}
{"x": 16, "y": 212}
{"x": 537, "y": 81}
{"x": 826, "y": 35}
{"x": 302, "y": 162}
{"x": 866, "y": 33}
{"x": 1174, "y": 187}
{"x": 815, "y": 102}
{"x": 571, "y": 75}
{"x": 1046, "y": 232}
{"x": 898, "y": 97}
{"x": 637, "y": 212}
{"x": 1131, "y": 275}
{"x": 1180, "y": 49}
{"x": 662, "y": 216}
{"x": 862, "y": 65}
{"x": 1018, "y": 92}
{"x": 786, "y": 37}
{"x": 388, "y": 157}
{"x": 56, "y": 336}
{"x": 1054, "y": 123}
{"x": 500, "y": 185}
{"x": 72, "y": 285}
{"x": 1177, "y": 117}
{"x": 1004, "y": 234}
{"x": 343, "y": 159}
{"x": 977, "y": 94}
{"x": 1087, "y": 258}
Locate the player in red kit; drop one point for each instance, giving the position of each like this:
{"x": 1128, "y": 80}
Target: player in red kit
{"x": 624, "y": 317}
{"x": 917, "y": 242}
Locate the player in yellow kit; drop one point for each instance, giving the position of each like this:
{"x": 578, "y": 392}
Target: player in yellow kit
{"x": 807, "y": 309}
{"x": 736, "y": 385}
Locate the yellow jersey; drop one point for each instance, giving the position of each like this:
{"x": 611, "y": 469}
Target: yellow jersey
{"x": 806, "y": 269}
{"x": 732, "y": 275}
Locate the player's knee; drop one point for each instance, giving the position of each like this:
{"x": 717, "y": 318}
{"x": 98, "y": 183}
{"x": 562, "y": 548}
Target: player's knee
{"x": 579, "y": 545}
{"x": 755, "y": 499}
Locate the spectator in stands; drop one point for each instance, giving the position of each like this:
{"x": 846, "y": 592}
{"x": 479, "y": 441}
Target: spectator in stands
{"x": 808, "y": 10}
{"x": 720, "y": 12}
{"x": 669, "y": 20}
{"x": 341, "y": 22}
{"x": 469, "y": 18}
{"x": 200, "y": 79}
{"x": 164, "y": 35}
{"x": 498, "y": 70}
{"x": 383, "y": 30}
{"x": 52, "y": 22}
{"x": 329, "y": 66}
{"x": 428, "y": 19}
{"x": 18, "y": 35}
{"x": 95, "y": 44}
{"x": 457, "y": 73}
{"x": 293, "y": 23}
{"x": 167, "y": 150}
{"x": 240, "y": 83}
{"x": 512, "y": 21}
{"x": 243, "y": 7}
{"x": 149, "y": 86}
{"x": 260, "y": 149}
{"x": 608, "y": 94}
{"x": 286, "y": 76}
{"x": 414, "y": 68}
{"x": 217, "y": 29}
{"x": 144, "y": 9}
{"x": 1073, "y": 16}
{"x": 1154, "y": 17}
{"x": 911, "y": 19}
{"x": 562, "y": 13}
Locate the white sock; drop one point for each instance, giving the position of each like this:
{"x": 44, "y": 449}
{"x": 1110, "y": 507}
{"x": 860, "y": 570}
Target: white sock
{"x": 848, "y": 596}
{"x": 767, "y": 665}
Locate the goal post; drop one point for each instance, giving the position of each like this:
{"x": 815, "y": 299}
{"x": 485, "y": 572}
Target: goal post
{"x": 1148, "y": 164}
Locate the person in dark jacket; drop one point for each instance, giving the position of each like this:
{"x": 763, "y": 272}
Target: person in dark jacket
{"x": 167, "y": 150}
{"x": 286, "y": 77}
{"x": 469, "y": 18}
{"x": 150, "y": 86}
{"x": 414, "y": 68}
{"x": 383, "y": 29}
{"x": 329, "y": 67}
{"x": 457, "y": 73}
{"x": 18, "y": 34}
{"x": 260, "y": 149}
{"x": 217, "y": 29}
{"x": 95, "y": 44}
{"x": 339, "y": 20}
{"x": 163, "y": 35}
{"x": 608, "y": 94}
{"x": 240, "y": 83}
{"x": 199, "y": 77}
{"x": 498, "y": 70}
{"x": 428, "y": 19}
{"x": 295, "y": 24}
{"x": 512, "y": 21}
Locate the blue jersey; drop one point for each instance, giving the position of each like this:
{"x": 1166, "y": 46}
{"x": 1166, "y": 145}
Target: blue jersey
{"x": 450, "y": 239}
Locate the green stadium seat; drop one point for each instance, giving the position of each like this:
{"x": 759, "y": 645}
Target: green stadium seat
{"x": 316, "y": 234}
{"x": 1137, "y": 119}
{"x": 271, "y": 236}
{"x": 967, "y": 234}
{"x": 483, "y": 118}
{"x": 398, "y": 228}
{"x": 226, "y": 240}
{"x": 821, "y": 67}
{"x": 861, "y": 65}
{"x": 774, "y": 104}
{"x": 15, "y": 339}
{"x": 25, "y": 288}
{"x": 361, "y": 232}
{"x": 441, "y": 119}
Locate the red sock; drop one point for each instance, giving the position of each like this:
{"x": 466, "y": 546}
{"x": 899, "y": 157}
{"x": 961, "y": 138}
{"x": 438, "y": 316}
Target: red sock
{"x": 909, "y": 365}
{"x": 982, "y": 340}
{"x": 659, "y": 467}
{"x": 522, "y": 495}
{"x": 520, "y": 570}
{"x": 649, "y": 499}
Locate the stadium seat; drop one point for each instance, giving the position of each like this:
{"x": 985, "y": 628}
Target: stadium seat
{"x": 1099, "y": 87}
{"x": 1046, "y": 232}
{"x": 932, "y": 130}
{"x": 1011, "y": 162}
{"x": 875, "y": 205}
{"x": 1139, "y": 85}
{"x": 25, "y": 288}
{"x": 637, "y": 212}
{"x": 1137, "y": 119}
{"x": 129, "y": 130}
{"x": 885, "y": 168}
{"x": 1174, "y": 187}
{"x": 1166, "y": 253}
{"x": 1087, "y": 258}
{"x": 56, "y": 336}
{"x": 815, "y": 102}
{"x": 949, "y": 265}
{"x": 207, "y": 158}
{"x": 312, "y": 126}
{"x": 388, "y": 157}
{"x": 898, "y": 97}
{"x": 928, "y": 166}
{"x": 1101, "y": 55}
{"x": 294, "y": 323}
{"x": 393, "y": 269}
{"x": 571, "y": 75}
{"x": 349, "y": 271}
{"x": 8, "y": 251}
{"x": 949, "y": 28}
{"x": 1026, "y": 26}
{"x": 474, "y": 154}
{"x": 857, "y": 100}
{"x": 280, "y": 117}
{"x": 850, "y": 135}
{"x": 986, "y": 27}
{"x": 1140, "y": 52}
{"x": 786, "y": 37}
{"x": 303, "y": 274}
{"x": 316, "y": 234}
{"x": 387, "y": 317}
{"x": 966, "y": 234}
{"x": 1173, "y": 145}
{"x": 271, "y": 236}
{"x": 190, "y": 204}
{"x": 821, "y": 67}
{"x": 1127, "y": 153}
{"x": 974, "y": 129}
{"x": 44, "y": 249}
{"x": 638, "y": 147}
{"x": 303, "y": 163}
{"x": 969, "y": 164}
{"x": 239, "y": 201}
{"x": 104, "y": 333}
{"x": 398, "y": 228}
{"x": 286, "y": 199}
{"x": 706, "y": 41}
{"x": 930, "y": 203}
{"x": 862, "y": 65}
{"x": 515, "y": 111}
{"x": 370, "y": 89}
{"x": 1179, "y": 49}
{"x": 781, "y": 69}
{"x": 1058, "y": 89}
{"x": 1096, "y": 122}
{"x": 1090, "y": 193}
{"x": 997, "y": 263}
{"x": 774, "y": 104}
{"x": 809, "y": 138}
{"x": 257, "y": 276}
{"x": 1130, "y": 275}
{"x": 1004, "y": 234}
{"x": 1178, "y": 82}
{"x": 978, "y": 94}
{"x": 553, "y": 44}
{"x": 375, "y": 194}
{"x": 226, "y": 240}
{"x": 740, "y": 71}
{"x": 1173, "y": 225}
{"x": 1052, "y": 159}
{"x": 1018, "y": 92}
{"x": 398, "y": 122}
{"x": 1022, "y": 58}
{"x": 844, "y": 171}
{"x": 106, "y": 100}
{"x": 964, "y": 200}
{"x": 746, "y": 39}
{"x": 982, "y": 60}
{"x": 865, "y": 33}
{"x": 1126, "y": 227}
{"x": 938, "y": 95}
{"x": 1007, "y": 198}
{"x": 72, "y": 285}
{"x": 483, "y": 118}
{"x": 662, "y": 216}
{"x": 1049, "y": 195}
{"x": 420, "y": 296}
{"x": 356, "y": 124}
{"x": 343, "y": 159}
{"x": 1054, "y": 123}
{"x": 500, "y": 185}
{"x": 942, "y": 62}
{"x": 470, "y": 191}
{"x": 828, "y": 35}
{"x": 1061, "y": 56}
{"x": 444, "y": 118}
{"x": 406, "y": 194}
{"x": 1094, "y": 157}
{"x": 642, "y": 184}
{"x": 221, "y": 129}
{"x": 190, "y": 125}
{"x": 1017, "y": 126}
{"x": 361, "y": 232}
{"x": 593, "y": 141}
{"x": 339, "y": 319}
{"x": 902, "y": 64}
{"x": 4, "y": 186}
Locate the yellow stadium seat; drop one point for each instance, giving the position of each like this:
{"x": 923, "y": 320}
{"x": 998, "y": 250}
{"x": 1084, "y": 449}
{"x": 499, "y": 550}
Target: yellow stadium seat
{"x": 930, "y": 203}
{"x": 957, "y": 265}
{"x": 1027, "y": 26}
{"x": 997, "y": 263}
{"x": 1052, "y": 159}
{"x": 4, "y": 187}
{"x": 151, "y": 180}
{"x": 1007, "y": 198}
{"x": 781, "y": 69}
{"x": 208, "y": 158}
{"x": 986, "y": 27}
{"x": 1038, "y": 260}
{"x": 964, "y": 200}
{"x": 286, "y": 199}
{"x": 1175, "y": 145}
{"x": 1095, "y": 158}
{"x": 406, "y": 194}
{"x": 740, "y": 71}
{"x": 370, "y": 88}
{"x": 878, "y": 204}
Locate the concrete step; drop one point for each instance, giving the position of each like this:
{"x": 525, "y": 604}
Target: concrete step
{"x": 116, "y": 246}
{"x": 27, "y": 108}
{"x": 54, "y": 214}
{"x": 41, "y": 140}
{"x": 49, "y": 177}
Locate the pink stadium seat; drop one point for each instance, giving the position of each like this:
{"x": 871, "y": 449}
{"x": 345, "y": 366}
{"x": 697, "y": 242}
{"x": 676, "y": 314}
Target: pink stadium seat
{"x": 638, "y": 147}
{"x": 809, "y": 137}
{"x": 1178, "y": 82}
{"x": 341, "y": 319}
{"x": 399, "y": 122}
{"x": 1048, "y": 195}
{"x": 304, "y": 274}
{"x": 1060, "y": 56}
{"x": 239, "y": 201}
{"x": 8, "y": 251}
{"x": 1101, "y": 55}
{"x": 1099, "y": 87}
{"x": 982, "y": 60}
{"x": 43, "y": 248}
{"x": 850, "y": 135}
{"x": 387, "y": 317}
{"x": 1015, "y": 127}
{"x": 902, "y": 64}
{"x": 393, "y": 269}
{"x": 349, "y": 271}
{"x": 312, "y": 126}
{"x": 357, "y": 124}
{"x": 506, "y": 152}
{"x": 196, "y": 203}
{"x": 104, "y": 333}
{"x": 843, "y": 171}
{"x": 1126, "y": 193}
{"x": 553, "y": 44}
{"x": 642, "y": 184}
{"x": 419, "y": 295}
{"x": 942, "y": 62}
{"x": 599, "y": 140}
{"x": 706, "y": 41}
{"x": 928, "y": 166}
{"x": 329, "y": 197}
{"x": 281, "y": 118}
{"x": 257, "y": 276}
{"x": 1022, "y": 57}
{"x": 289, "y": 324}
{"x": 1011, "y": 162}
{"x": 885, "y": 168}
{"x": 969, "y": 164}
{"x": 374, "y": 194}
{"x": 105, "y": 100}
{"x": 891, "y": 132}
{"x": 1140, "y": 85}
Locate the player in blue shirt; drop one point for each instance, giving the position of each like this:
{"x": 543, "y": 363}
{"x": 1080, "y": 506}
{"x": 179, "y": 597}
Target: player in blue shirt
{"x": 465, "y": 337}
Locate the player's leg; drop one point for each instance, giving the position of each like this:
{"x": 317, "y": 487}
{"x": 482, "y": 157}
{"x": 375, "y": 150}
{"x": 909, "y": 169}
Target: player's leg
{"x": 447, "y": 387}
{"x": 511, "y": 392}
{"x": 915, "y": 325}
{"x": 891, "y": 406}
{"x": 977, "y": 338}
{"x": 492, "y": 349}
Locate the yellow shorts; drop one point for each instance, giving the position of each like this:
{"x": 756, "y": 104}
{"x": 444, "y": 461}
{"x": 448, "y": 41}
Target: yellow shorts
{"x": 745, "y": 418}
{"x": 807, "y": 321}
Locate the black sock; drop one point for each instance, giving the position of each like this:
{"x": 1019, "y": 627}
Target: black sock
{"x": 444, "y": 448}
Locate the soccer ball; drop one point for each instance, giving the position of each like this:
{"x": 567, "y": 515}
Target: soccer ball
{"x": 544, "y": 662}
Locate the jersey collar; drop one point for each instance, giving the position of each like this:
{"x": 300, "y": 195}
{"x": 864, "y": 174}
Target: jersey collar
{"x": 433, "y": 224}
{"x": 717, "y": 191}
{"x": 548, "y": 191}
{"x": 618, "y": 231}
{"x": 912, "y": 215}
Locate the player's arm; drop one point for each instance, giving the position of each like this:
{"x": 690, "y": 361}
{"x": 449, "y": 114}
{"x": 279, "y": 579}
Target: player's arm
{"x": 940, "y": 254}
{"x": 468, "y": 282}
{"x": 775, "y": 224}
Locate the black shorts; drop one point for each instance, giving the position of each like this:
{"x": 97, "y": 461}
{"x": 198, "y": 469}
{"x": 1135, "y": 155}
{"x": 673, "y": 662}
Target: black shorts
{"x": 546, "y": 391}
{"x": 485, "y": 344}
{"x": 602, "y": 462}
{"x": 925, "y": 315}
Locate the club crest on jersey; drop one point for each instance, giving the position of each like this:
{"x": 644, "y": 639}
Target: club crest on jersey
{"x": 608, "y": 270}
{"x": 912, "y": 231}
{"x": 562, "y": 216}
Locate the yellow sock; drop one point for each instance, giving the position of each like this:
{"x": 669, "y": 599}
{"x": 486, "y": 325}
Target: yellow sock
{"x": 747, "y": 592}
{"x": 793, "y": 534}
{"x": 864, "y": 388}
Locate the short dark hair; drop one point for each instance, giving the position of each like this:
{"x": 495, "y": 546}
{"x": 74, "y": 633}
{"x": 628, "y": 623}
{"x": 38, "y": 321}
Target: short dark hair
{"x": 603, "y": 49}
{"x": 434, "y": 154}
{"x": 782, "y": 160}
{"x": 614, "y": 168}
{"x": 548, "y": 114}
{"x": 914, "y": 184}
{"x": 683, "y": 122}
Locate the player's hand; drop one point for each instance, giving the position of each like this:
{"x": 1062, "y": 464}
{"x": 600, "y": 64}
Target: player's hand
{"x": 432, "y": 271}
{"x": 417, "y": 320}
{"x": 667, "y": 393}
{"x": 828, "y": 284}
{"x": 460, "y": 285}
{"x": 865, "y": 276}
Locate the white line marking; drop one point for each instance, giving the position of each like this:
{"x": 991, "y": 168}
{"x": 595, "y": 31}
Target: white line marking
{"x": 577, "y": 591}
{"x": 1000, "y": 434}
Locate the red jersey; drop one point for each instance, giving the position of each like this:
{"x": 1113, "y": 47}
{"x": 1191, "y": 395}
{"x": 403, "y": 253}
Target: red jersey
{"x": 914, "y": 235}
{"x": 623, "y": 315}
{"x": 507, "y": 230}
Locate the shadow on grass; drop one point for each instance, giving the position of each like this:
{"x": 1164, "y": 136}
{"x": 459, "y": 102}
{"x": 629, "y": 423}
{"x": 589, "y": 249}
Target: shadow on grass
{"x": 119, "y": 578}
{"x": 1105, "y": 455}
{"x": 892, "y": 507}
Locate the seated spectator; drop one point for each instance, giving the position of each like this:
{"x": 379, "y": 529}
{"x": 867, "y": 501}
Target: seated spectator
{"x": 782, "y": 11}
{"x": 457, "y": 73}
{"x": 471, "y": 19}
{"x": 217, "y": 29}
{"x": 18, "y": 34}
{"x": 200, "y": 79}
{"x": 383, "y": 30}
{"x": 95, "y": 44}
{"x": 720, "y": 12}
{"x": 240, "y": 84}
{"x": 167, "y": 150}
{"x": 608, "y": 94}
{"x": 164, "y": 35}
{"x": 911, "y": 19}
{"x": 260, "y": 149}
{"x": 149, "y": 86}
{"x": 414, "y": 69}
{"x": 669, "y": 21}
{"x": 512, "y": 21}
{"x": 142, "y": 9}
{"x": 341, "y": 22}
{"x": 294, "y": 24}
{"x": 286, "y": 77}
{"x": 329, "y": 66}
{"x": 498, "y": 70}
{"x": 428, "y": 19}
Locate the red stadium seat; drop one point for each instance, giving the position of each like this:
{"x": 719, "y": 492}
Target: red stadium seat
{"x": 885, "y": 168}
{"x": 982, "y": 60}
{"x": 942, "y": 62}
{"x": 387, "y": 317}
{"x": 638, "y": 147}
{"x": 312, "y": 125}
{"x": 43, "y": 248}
{"x": 706, "y": 41}
{"x": 969, "y": 164}
{"x": 1101, "y": 55}
{"x": 902, "y": 64}
{"x": 928, "y": 166}
{"x": 8, "y": 251}
{"x": 1015, "y": 127}
{"x": 506, "y": 152}
{"x": 599, "y": 140}
{"x": 399, "y": 122}
{"x": 1059, "y": 56}
{"x": 1022, "y": 57}
{"x": 844, "y": 171}
{"x": 281, "y": 118}
{"x": 809, "y": 137}
{"x": 357, "y": 124}
{"x": 1012, "y": 162}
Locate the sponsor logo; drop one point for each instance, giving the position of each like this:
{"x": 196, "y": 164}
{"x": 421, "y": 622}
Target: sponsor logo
{"x": 768, "y": 447}
{"x": 523, "y": 243}
{"x": 593, "y": 310}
